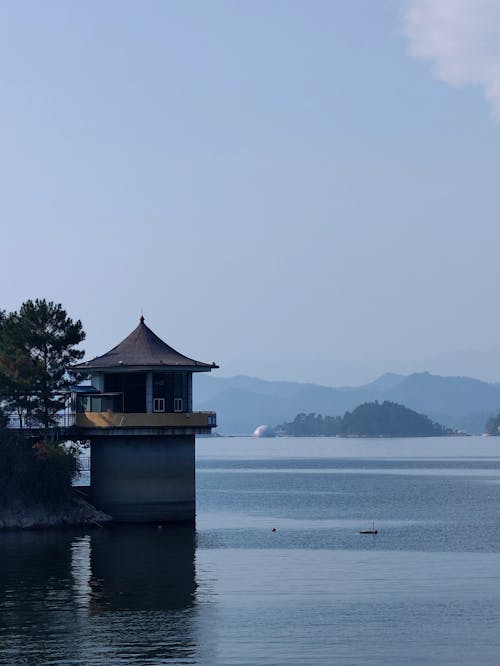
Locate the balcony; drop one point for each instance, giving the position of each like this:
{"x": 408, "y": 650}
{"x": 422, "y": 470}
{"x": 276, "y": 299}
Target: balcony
{"x": 85, "y": 425}
{"x": 196, "y": 421}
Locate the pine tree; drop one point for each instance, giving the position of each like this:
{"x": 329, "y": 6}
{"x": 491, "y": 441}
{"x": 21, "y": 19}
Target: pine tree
{"x": 37, "y": 344}
{"x": 17, "y": 370}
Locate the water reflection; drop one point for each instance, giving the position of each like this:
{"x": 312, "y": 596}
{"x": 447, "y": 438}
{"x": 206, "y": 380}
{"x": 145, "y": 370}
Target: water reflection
{"x": 142, "y": 568}
{"x": 115, "y": 596}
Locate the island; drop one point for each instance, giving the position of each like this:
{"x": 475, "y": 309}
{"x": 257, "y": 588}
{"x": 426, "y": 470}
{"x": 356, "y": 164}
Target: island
{"x": 371, "y": 419}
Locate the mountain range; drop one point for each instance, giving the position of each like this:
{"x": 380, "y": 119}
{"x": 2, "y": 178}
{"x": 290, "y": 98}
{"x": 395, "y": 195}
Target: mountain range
{"x": 242, "y": 403}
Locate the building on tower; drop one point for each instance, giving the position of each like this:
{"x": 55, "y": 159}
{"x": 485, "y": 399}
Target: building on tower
{"x": 137, "y": 414}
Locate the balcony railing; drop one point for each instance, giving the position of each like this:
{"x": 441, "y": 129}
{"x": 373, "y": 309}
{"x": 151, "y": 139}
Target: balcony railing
{"x": 65, "y": 420}
{"x": 123, "y": 420}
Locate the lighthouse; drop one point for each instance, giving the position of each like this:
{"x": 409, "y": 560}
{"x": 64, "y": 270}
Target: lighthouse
{"x": 138, "y": 415}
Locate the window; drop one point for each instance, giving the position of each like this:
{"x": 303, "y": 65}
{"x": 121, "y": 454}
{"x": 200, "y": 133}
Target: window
{"x": 159, "y": 405}
{"x": 177, "y": 404}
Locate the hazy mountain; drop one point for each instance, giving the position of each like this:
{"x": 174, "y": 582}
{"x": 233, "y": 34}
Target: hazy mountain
{"x": 208, "y": 386}
{"x": 387, "y": 381}
{"x": 242, "y": 403}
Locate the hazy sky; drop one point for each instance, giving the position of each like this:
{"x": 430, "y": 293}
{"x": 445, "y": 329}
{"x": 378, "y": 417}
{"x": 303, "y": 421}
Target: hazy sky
{"x": 295, "y": 189}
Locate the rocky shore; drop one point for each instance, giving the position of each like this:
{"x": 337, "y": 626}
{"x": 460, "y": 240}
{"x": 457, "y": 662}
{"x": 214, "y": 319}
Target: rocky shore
{"x": 75, "y": 511}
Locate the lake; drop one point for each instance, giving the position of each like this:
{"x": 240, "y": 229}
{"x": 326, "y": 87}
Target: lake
{"x": 424, "y": 590}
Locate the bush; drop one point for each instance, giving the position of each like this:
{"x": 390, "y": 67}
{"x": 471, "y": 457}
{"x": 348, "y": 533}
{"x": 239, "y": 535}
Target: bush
{"x": 34, "y": 472}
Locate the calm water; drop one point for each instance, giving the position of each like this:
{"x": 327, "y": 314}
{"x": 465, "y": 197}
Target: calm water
{"x": 425, "y": 590}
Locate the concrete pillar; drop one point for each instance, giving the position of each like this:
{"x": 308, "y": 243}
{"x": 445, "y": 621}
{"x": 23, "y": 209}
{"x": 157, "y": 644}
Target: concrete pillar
{"x": 149, "y": 392}
{"x": 190, "y": 392}
{"x": 97, "y": 380}
{"x": 144, "y": 478}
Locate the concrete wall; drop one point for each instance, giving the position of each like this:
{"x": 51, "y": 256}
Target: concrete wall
{"x": 144, "y": 478}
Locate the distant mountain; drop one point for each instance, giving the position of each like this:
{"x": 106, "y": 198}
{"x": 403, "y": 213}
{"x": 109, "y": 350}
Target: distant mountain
{"x": 387, "y": 381}
{"x": 242, "y": 403}
{"x": 208, "y": 386}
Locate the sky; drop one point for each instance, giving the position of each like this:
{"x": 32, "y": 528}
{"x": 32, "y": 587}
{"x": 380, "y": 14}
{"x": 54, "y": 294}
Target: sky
{"x": 295, "y": 189}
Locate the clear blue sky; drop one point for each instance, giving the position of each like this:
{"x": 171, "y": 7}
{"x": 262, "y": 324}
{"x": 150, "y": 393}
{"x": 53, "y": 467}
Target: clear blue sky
{"x": 285, "y": 187}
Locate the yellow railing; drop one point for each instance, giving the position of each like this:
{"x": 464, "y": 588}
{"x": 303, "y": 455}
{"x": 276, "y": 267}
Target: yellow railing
{"x": 156, "y": 420}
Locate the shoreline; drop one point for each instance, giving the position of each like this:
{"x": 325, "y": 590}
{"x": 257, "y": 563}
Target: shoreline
{"x": 73, "y": 512}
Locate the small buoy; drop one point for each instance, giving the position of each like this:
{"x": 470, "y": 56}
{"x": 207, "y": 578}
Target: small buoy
{"x": 273, "y": 530}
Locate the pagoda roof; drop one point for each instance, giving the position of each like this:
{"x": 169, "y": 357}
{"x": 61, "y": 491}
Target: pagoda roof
{"x": 142, "y": 348}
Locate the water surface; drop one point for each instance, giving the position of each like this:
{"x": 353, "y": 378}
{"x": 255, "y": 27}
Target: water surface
{"x": 425, "y": 590}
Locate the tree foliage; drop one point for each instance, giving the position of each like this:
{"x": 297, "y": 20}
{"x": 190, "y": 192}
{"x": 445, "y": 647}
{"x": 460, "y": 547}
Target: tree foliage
{"x": 37, "y": 344}
{"x": 312, "y": 425}
{"x": 492, "y": 426}
{"x": 18, "y": 372}
{"x": 371, "y": 419}
{"x": 40, "y": 472}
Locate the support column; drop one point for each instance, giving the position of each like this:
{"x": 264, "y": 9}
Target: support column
{"x": 189, "y": 392}
{"x": 98, "y": 381}
{"x": 149, "y": 392}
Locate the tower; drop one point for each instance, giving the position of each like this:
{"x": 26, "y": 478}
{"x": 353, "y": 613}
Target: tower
{"x": 138, "y": 415}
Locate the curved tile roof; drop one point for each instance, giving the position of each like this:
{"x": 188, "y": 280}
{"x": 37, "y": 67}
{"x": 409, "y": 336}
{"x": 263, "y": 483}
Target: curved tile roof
{"x": 142, "y": 348}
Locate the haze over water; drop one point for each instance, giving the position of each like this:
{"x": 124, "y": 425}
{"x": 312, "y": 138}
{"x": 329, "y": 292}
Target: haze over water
{"x": 425, "y": 590}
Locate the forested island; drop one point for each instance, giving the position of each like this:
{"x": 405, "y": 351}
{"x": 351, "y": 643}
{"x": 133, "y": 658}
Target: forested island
{"x": 371, "y": 419}
{"x": 37, "y": 343}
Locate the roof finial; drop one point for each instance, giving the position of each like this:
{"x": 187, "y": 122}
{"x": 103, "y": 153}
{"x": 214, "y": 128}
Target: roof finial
{"x": 142, "y": 316}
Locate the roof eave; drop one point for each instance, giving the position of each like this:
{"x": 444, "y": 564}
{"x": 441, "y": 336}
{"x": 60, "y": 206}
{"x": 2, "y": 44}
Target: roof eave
{"x": 202, "y": 367}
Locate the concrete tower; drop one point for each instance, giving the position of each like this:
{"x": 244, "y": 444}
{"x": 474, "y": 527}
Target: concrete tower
{"x": 138, "y": 415}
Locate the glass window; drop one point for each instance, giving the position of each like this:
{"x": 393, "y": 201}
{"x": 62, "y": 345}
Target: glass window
{"x": 159, "y": 405}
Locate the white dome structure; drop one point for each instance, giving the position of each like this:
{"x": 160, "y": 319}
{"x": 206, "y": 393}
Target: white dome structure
{"x": 264, "y": 431}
